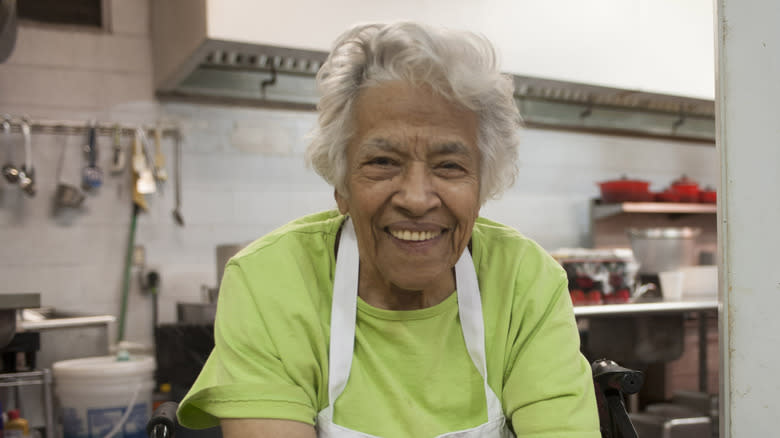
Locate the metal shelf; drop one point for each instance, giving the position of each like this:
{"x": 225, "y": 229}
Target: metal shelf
{"x": 601, "y": 211}
{"x": 34, "y": 377}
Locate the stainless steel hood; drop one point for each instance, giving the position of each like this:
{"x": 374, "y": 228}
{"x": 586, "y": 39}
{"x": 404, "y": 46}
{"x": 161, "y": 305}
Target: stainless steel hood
{"x": 234, "y": 72}
{"x": 191, "y": 61}
{"x": 204, "y": 54}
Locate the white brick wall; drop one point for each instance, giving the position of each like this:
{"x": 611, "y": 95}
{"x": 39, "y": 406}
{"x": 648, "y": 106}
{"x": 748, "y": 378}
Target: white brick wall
{"x": 243, "y": 175}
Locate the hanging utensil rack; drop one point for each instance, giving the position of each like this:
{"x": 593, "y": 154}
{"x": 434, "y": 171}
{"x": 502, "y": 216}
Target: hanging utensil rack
{"x": 71, "y": 127}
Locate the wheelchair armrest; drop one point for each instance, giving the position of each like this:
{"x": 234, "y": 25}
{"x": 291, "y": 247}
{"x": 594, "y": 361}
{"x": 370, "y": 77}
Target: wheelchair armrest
{"x": 163, "y": 422}
{"x": 611, "y": 382}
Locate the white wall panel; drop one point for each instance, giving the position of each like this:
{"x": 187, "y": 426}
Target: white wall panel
{"x": 749, "y": 146}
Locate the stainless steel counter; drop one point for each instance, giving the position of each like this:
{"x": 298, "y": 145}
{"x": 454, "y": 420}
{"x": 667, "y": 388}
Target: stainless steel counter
{"x": 647, "y": 307}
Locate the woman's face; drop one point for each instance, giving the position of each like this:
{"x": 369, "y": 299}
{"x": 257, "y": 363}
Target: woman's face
{"x": 413, "y": 180}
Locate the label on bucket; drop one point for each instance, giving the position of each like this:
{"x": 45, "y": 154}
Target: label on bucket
{"x": 99, "y": 422}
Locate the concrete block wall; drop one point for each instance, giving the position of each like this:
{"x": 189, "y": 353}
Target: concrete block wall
{"x": 243, "y": 175}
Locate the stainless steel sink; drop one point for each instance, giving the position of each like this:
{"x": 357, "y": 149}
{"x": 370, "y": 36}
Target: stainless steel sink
{"x": 66, "y": 335}
{"x": 47, "y": 318}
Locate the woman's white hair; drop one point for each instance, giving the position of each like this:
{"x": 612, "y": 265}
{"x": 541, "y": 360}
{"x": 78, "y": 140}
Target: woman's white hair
{"x": 460, "y": 66}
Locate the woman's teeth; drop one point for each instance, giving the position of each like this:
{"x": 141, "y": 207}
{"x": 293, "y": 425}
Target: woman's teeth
{"x": 414, "y": 235}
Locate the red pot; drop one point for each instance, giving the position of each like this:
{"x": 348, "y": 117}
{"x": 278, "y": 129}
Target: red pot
{"x": 708, "y": 196}
{"x": 667, "y": 195}
{"x": 687, "y": 189}
{"x": 625, "y": 190}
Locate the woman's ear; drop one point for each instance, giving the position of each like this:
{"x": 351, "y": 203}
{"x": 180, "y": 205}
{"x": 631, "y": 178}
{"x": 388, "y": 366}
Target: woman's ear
{"x": 341, "y": 201}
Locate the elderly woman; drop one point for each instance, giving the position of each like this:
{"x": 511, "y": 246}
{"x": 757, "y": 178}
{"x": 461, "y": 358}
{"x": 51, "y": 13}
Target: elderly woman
{"x": 404, "y": 313}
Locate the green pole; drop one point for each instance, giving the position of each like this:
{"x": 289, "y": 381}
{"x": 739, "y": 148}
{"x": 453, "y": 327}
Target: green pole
{"x": 128, "y": 269}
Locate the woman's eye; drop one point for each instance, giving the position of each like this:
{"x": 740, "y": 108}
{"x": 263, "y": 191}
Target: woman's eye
{"x": 381, "y": 161}
{"x": 450, "y": 165}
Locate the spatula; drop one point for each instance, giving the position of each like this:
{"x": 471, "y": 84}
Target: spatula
{"x": 145, "y": 183}
{"x": 159, "y": 158}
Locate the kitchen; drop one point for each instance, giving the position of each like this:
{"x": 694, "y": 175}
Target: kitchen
{"x": 243, "y": 173}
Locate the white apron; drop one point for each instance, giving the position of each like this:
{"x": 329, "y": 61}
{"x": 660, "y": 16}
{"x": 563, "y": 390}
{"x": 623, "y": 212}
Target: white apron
{"x": 342, "y": 340}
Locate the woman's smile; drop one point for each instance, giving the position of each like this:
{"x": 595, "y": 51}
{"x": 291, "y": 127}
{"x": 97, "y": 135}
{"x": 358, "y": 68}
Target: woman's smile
{"x": 414, "y": 236}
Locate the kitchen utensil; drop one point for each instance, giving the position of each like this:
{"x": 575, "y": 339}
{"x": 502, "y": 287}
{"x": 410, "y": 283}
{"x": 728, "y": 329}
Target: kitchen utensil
{"x": 708, "y": 196}
{"x": 139, "y": 166}
{"x": 686, "y": 188}
{"x": 118, "y": 159}
{"x": 145, "y": 183}
{"x": 160, "y": 174}
{"x": 66, "y": 195}
{"x": 10, "y": 172}
{"x": 177, "y": 216}
{"x": 641, "y": 290}
{"x": 625, "y": 190}
{"x": 27, "y": 172}
{"x": 663, "y": 249}
{"x": 92, "y": 175}
{"x": 667, "y": 195}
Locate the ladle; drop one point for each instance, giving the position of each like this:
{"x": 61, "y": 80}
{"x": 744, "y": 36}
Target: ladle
{"x": 118, "y": 159}
{"x": 177, "y": 216}
{"x": 67, "y": 195}
{"x": 160, "y": 174}
{"x": 92, "y": 175}
{"x": 27, "y": 172}
{"x": 10, "y": 172}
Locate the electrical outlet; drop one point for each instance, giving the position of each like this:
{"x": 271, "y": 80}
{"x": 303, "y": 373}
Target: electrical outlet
{"x": 139, "y": 256}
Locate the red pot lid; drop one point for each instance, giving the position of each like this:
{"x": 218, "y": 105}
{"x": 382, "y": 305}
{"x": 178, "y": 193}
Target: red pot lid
{"x": 624, "y": 179}
{"x": 684, "y": 181}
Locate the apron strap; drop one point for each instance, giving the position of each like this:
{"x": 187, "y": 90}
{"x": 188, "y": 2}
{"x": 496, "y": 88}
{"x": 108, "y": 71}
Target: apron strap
{"x": 343, "y": 312}
{"x": 473, "y": 325}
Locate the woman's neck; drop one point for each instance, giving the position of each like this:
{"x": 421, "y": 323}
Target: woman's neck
{"x": 390, "y": 297}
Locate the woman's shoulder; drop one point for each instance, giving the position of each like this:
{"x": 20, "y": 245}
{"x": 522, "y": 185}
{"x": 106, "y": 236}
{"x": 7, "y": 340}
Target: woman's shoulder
{"x": 291, "y": 258}
{"x": 313, "y": 232}
{"x": 503, "y": 248}
{"x": 494, "y": 236}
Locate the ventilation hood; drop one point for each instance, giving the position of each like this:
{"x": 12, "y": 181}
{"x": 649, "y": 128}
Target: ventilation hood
{"x": 196, "y": 59}
{"x": 236, "y": 52}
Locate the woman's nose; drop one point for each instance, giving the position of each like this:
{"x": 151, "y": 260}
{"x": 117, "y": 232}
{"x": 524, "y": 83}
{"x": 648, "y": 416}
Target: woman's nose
{"x": 417, "y": 194}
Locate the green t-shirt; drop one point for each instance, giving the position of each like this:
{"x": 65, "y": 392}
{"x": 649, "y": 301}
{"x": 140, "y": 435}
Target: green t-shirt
{"x": 411, "y": 375}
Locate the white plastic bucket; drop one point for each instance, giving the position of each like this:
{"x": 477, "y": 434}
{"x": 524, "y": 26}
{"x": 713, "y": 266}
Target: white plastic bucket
{"x": 98, "y": 395}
